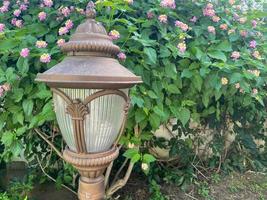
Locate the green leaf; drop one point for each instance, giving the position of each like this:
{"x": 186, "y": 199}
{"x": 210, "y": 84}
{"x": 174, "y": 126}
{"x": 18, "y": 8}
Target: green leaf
{"x": 152, "y": 95}
{"x": 217, "y": 55}
{"x": 152, "y": 54}
{"x": 206, "y": 99}
{"x": 164, "y": 52}
{"x": 7, "y": 138}
{"x": 235, "y": 78}
{"x": 140, "y": 115}
{"x": 132, "y": 154}
{"x": 21, "y": 130}
{"x": 154, "y": 120}
{"x": 184, "y": 115}
{"x": 159, "y": 111}
{"x": 8, "y": 44}
{"x": 17, "y": 94}
{"x": 135, "y": 158}
{"x": 224, "y": 46}
{"x": 197, "y": 82}
{"x": 198, "y": 53}
{"x": 147, "y": 158}
{"x": 27, "y": 106}
{"x": 173, "y": 89}
{"x": 19, "y": 117}
{"x": 16, "y": 148}
{"x": 171, "y": 71}
{"x": 137, "y": 101}
{"x": 22, "y": 65}
{"x": 186, "y": 73}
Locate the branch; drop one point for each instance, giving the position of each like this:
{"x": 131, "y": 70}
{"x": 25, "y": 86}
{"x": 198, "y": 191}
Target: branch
{"x": 42, "y": 135}
{"x": 116, "y": 185}
{"x": 51, "y": 178}
{"x": 107, "y": 174}
{"x": 119, "y": 171}
{"x": 121, "y": 182}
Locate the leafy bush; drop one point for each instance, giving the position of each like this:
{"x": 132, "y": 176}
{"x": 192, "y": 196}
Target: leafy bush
{"x": 200, "y": 62}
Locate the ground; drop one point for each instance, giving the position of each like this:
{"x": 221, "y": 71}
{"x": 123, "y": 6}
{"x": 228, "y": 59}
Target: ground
{"x": 248, "y": 186}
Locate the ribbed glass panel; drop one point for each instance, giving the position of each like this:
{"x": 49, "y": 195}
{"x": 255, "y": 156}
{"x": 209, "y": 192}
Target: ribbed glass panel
{"x": 64, "y": 121}
{"x": 103, "y": 123}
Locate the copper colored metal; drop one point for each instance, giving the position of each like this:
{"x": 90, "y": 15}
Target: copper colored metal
{"x": 91, "y": 167}
{"x": 90, "y": 64}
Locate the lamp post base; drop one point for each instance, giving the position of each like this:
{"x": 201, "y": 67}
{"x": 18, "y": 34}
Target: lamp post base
{"x": 91, "y": 168}
{"x": 91, "y": 189}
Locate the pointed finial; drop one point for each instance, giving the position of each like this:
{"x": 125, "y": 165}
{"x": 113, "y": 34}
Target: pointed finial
{"x": 90, "y": 10}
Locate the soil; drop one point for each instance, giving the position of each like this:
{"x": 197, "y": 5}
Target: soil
{"x": 248, "y": 186}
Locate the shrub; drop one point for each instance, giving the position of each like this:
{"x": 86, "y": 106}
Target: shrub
{"x": 200, "y": 61}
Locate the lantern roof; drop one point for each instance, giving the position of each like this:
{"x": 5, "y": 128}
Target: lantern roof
{"x": 90, "y": 61}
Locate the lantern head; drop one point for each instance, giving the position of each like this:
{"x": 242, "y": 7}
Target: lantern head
{"x": 90, "y": 89}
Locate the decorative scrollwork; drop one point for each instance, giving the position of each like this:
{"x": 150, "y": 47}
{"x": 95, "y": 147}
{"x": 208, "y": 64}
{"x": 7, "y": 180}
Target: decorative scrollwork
{"x": 77, "y": 110}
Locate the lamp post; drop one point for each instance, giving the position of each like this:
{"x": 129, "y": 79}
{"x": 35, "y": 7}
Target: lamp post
{"x": 90, "y": 95}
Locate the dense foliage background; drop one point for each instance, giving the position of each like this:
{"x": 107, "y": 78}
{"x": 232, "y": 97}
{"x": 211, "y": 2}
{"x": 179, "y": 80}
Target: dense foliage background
{"x": 203, "y": 64}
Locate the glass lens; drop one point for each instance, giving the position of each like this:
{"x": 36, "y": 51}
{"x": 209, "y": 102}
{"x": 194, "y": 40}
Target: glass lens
{"x": 102, "y": 124}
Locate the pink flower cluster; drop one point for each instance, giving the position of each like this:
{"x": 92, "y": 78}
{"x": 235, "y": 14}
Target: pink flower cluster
{"x": 129, "y": 1}
{"x": 41, "y": 44}
{"x": 69, "y": 24}
{"x": 48, "y": 3}
{"x": 4, "y": 88}
{"x": 114, "y": 35}
{"x": 193, "y": 19}
{"x": 65, "y": 29}
{"x": 150, "y": 14}
{"x": 17, "y": 12}
{"x": 224, "y": 27}
{"x": 168, "y": 4}
{"x": 208, "y": 10}
{"x": 121, "y": 56}
{"x": 163, "y": 19}
{"x": 255, "y": 91}
{"x": 253, "y": 44}
{"x": 254, "y": 72}
{"x": 45, "y": 58}
{"x": 235, "y": 55}
{"x": 60, "y": 42}
{"x": 211, "y": 29}
{"x": 17, "y": 22}
{"x": 243, "y": 33}
{"x": 2, "y": 27}
{"x": 25, "y": 52}
{"x": 65, "y": 11}
{"x": 182, "y": 25}
{"x": 256, "y": 54}
{"x": 182, "y": 47}
{"x": 216, "y": 18}
{"x": 5, "y": 7}
{"x": 254, "y": 23}
{"x": 42, "y": 16}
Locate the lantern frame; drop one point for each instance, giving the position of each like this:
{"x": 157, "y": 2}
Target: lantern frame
{"x": 89, "y": 64}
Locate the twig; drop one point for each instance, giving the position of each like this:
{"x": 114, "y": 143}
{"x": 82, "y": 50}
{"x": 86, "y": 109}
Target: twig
{"x": 120, "y": 183}
{"x": 220, "y": 164}
{"x": 51, "y": 178}
{"x": 188, "y": 195}
{"x": 199, "y": 172}
{"x": 49, "y": 143}
{"x": 107, "y": 174}
{"x": 119, "y": 171}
